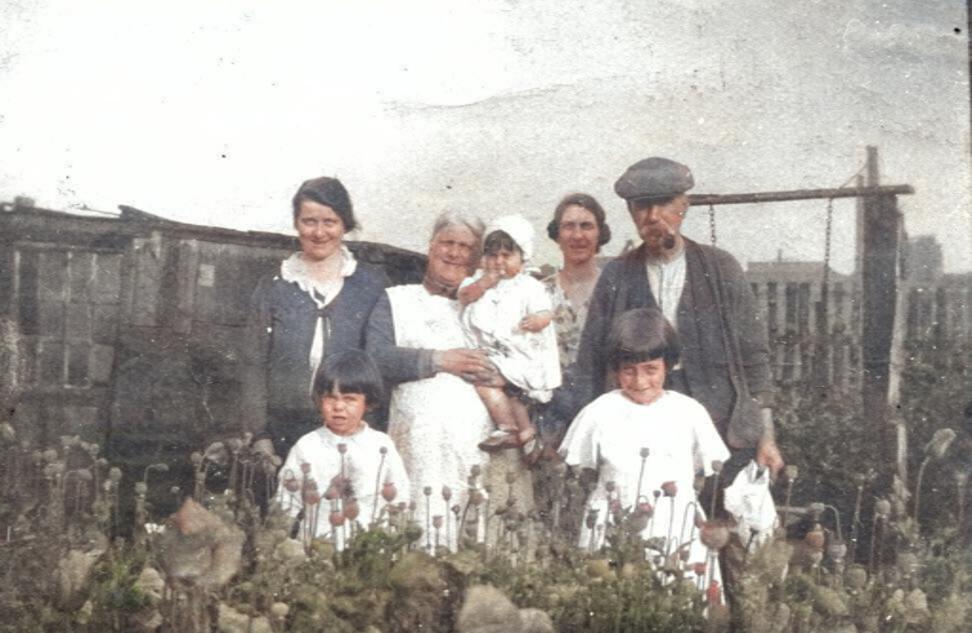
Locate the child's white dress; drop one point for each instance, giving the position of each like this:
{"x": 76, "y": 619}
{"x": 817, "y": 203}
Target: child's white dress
{"x": 364, "y": 466}
{"x": 608, "y": 435}
{"x": 529, "y": 360}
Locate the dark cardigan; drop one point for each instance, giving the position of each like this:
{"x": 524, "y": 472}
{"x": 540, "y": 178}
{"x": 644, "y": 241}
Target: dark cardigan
{"x": 280, "y": 330}
{"x": 724, "y": 348}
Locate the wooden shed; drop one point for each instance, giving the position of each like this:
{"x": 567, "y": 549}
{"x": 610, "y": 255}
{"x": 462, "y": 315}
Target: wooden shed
{"x": 127, "y": 329}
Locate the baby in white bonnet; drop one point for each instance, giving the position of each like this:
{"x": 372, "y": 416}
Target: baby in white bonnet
{"x": 507, "y": 313}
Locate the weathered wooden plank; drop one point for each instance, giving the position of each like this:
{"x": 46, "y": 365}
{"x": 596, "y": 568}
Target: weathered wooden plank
{"x": 78, "y": 322}
{"x": 104, "y": 326}
{"x": 183, "y": 286}
{"x": 50, "y": 318}
{"x": 149, "y": 260}
{"x": 107, "y": 278}
{"x": 80, "y": 275}
{"x": 100, "y": 363}
{"x": 50, "y": 363}
{"x": 78, "y": 359}
{"x": 28, "y": 422}
{"x": 86, "y": 421}
{"x": 9, "y": 271}
{"x": 27, "y": 291}
{"x": 52, "y": 275}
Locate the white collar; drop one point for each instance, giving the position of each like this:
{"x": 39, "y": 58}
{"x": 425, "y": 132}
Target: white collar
{"x": 294, "y": 269}
{"x": 336, "y": 439}
{"x": 658, "y": 262}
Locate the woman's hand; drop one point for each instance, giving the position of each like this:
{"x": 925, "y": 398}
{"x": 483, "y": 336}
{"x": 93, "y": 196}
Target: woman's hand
{"x": 535, "y": 322}
{"x": 465, "y": 363}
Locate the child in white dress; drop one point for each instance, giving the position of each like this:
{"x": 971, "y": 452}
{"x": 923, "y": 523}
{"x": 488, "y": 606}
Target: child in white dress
{"x": 507, "y": 313}
{"x": 342, "y": 473}
{"x": 645, "y": 445}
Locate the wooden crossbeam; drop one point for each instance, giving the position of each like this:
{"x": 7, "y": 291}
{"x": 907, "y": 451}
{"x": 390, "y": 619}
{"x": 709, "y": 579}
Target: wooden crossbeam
{"x": 705, "y": 199}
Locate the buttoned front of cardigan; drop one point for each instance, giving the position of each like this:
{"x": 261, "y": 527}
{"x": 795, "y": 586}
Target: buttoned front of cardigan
{"x": 277, "y": 370}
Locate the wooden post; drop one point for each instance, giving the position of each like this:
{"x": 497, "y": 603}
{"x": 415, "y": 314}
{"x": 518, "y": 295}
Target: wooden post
{"x": 881, "y": 321}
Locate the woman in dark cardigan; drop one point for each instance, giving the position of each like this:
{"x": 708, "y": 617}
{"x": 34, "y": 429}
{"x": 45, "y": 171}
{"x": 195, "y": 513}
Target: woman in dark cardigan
{"x": 316, "y": 304}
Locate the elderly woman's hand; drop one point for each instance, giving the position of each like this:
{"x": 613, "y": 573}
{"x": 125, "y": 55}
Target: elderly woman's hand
{"x": 465, "y": 363}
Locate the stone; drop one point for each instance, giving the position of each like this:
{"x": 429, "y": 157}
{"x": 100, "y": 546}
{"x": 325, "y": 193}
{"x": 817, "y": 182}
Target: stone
{"x": 290, "y": 551}
{"x": 536, "y": 621}
{"x": 74, "y": 575}
{"x": 147, "y": 621}
{"x": 198, "y": 548}
{"x": 232, "y": 621}
{"x": 151, "y": 583}
{"x": 487, "y": 610}
{"x": 416, "y": 571}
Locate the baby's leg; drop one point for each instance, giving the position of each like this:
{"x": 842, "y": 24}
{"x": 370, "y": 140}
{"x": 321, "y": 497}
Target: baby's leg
{"x": 524, "y": 426}
{"x": 500, "y": 407}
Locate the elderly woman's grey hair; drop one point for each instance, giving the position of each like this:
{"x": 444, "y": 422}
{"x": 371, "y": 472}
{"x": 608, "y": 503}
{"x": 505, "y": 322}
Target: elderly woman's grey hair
{"x": 448, "y": 219}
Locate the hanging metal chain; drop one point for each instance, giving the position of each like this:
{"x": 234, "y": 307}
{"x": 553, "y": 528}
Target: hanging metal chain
{"x": 712, "y": 226}
{"x": 828, "y": 231}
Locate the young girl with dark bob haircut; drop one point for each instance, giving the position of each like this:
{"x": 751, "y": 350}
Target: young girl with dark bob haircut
{"x": 639, "y": 336}
{"x": 645, "y": 444}
{"x": 344, "y": 456}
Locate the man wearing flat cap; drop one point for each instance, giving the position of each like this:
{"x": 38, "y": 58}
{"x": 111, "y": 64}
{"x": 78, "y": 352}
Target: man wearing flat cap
{"x": 703, "y": 293}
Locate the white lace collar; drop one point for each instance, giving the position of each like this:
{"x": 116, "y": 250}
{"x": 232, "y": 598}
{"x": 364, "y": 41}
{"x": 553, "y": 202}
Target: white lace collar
{"x": 294, "y": 269}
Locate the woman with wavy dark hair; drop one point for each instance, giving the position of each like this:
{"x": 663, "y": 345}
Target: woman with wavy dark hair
{"x": 580, "y": 229}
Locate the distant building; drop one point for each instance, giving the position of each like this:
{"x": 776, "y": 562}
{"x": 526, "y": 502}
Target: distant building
{"x": 923, "y": 259}
{"x": 790, "y": 295}
{"x": 939, "y": 303}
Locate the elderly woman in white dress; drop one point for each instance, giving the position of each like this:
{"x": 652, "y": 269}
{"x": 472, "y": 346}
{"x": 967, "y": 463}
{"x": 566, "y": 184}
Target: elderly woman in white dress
{"x": 436, "y": 418}
{"x": 645, "y": 444}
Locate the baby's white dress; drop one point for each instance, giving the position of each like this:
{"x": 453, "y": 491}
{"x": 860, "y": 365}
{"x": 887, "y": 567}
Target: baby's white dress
{"x": 529, "y": 360}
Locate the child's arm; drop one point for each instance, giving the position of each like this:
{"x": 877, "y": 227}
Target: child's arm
{"x": 472, "y": 292}
{"x": 536, "y": 321}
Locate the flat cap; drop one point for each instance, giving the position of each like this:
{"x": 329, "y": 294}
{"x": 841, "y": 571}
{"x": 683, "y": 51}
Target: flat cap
{"x": 654, "y": 177}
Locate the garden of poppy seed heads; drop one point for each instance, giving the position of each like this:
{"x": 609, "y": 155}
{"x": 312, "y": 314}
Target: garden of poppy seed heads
{"x": 849, "y": 554}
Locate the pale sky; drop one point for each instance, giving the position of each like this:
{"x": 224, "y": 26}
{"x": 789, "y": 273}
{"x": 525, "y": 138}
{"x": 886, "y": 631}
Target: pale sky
{"x": 213, "y": 111}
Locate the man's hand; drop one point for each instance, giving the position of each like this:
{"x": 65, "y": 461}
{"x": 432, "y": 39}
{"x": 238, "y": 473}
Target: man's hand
{"x": 768, "y": 454}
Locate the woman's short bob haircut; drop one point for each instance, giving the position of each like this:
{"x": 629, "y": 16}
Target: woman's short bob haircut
{"x": 641, "y": 335}
{"x": 329, "y": 192}
{"x": 584, "y": 201}
{"x": 351, "y": 371}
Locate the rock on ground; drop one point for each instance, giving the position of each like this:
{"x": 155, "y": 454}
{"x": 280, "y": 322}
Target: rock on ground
{"x": 487, "y": 610}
